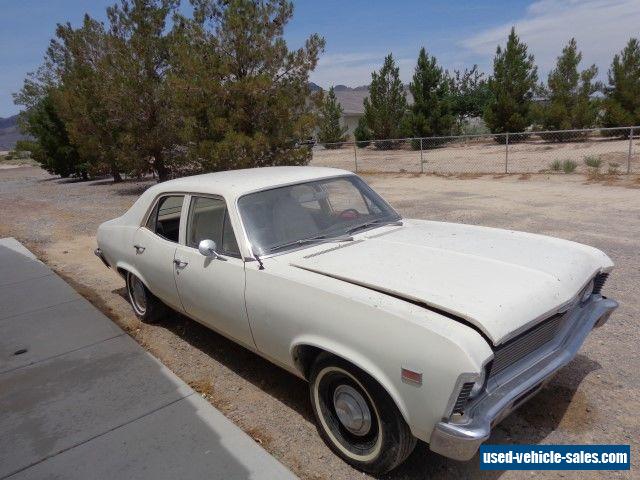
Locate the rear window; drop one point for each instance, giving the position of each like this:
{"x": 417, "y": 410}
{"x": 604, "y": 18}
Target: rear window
{"x": 164, "y": 220}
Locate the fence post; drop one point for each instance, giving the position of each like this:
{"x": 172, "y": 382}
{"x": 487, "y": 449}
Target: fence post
{"x": 506, "y": 154}
{"x": 355, "y": 154}
{"x": 421, "y": 159}
{"x": 630, "y": 151}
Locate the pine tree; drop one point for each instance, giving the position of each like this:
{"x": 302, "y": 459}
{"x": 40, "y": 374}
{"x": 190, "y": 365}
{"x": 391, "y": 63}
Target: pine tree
{"x": 80, "y": 59}
{"x": 622, "y": 104}
{"x": 512, "y": 88}
{"x": 431, "y": 113}
{"x": 241, "y": 96}
{"x": 386, "y": 104}
{"x": 50, "y": 146}
{"x": 362, "y": 134}
{"x": 569, "y": 95}
{"x": 138, "y": 68}
{"x": 330, "y": 131}
{"x": 470, "y": 93}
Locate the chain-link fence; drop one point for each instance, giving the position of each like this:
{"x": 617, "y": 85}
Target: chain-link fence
{"x": 607, "y": 150}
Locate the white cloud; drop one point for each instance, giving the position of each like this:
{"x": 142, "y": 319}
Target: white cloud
{"x": 354, "y": 69}
{"x": 600, "y": 27}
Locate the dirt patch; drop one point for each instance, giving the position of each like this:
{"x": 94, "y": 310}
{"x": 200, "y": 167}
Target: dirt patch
{"x": 593, "y": 400}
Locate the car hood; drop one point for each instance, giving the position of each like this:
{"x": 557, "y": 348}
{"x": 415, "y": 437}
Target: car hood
{"x": 500, "y": 281}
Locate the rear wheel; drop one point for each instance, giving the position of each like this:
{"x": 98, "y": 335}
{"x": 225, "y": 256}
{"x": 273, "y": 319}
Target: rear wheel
{"x": 356, "y": 417}
{"x": 145, "y": 304}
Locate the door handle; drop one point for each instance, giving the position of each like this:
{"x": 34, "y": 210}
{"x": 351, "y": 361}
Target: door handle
{"x": 139, "y": 249}
{"x": 180, "y": 263}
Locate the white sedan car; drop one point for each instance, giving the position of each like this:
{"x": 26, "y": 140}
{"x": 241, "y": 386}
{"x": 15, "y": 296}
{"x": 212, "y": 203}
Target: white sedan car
{"x": 404, "y": 329}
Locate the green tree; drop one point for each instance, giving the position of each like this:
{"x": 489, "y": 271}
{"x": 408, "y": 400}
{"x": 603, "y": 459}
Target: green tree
{"x": 569, "y": 94}
{"x": 81, "y": 60}
{"x": 329, "y": 128}
{"x": 471, "y": 94}
{"x": 622, "y": 103}
{"x": 137, "y": 69}
{"x": 362, "y": 134}
{"x": 240, "y": 95}
{"x": 512, "y": 87}
{"x": 432, "y": 111}
{"x": 386, "y": 105}
{"x": 50, "y": 145}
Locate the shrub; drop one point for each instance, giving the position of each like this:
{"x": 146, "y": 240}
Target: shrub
{"x": 513, "y": 137}
{"x": 556, "y": 166}
{"x": 613, "y": 168}
{"x": 593, "y": 162}
{"x": 569, "y": 166}
{"x": 384, "y": 144}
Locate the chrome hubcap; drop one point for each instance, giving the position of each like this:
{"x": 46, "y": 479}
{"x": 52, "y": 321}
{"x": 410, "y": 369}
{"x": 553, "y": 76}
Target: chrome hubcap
{"x": 138, "y": 295}
{"x": 352, "y": 410}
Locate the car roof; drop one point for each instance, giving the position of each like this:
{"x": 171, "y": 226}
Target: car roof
{"x": 235, "y": 183}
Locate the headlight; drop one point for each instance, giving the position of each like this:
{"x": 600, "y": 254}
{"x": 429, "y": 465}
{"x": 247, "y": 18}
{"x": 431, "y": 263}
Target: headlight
{"x": 586, "y": 292}
{"x": 478, "y": 385}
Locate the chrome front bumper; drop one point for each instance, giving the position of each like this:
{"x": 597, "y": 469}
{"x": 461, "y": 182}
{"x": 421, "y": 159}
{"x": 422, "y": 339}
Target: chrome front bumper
{"x": 461, "y": 440}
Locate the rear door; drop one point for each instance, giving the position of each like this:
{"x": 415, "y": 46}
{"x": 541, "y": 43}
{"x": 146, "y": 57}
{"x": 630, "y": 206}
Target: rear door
{"x": 155, "y": 246}
{"x": 212, "y": 289}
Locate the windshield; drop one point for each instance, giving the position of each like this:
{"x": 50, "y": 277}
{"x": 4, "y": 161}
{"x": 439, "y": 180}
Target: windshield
{"x": 287, "y": 217}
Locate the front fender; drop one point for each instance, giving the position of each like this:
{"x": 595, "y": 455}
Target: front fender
{"x": 356, "y": 358}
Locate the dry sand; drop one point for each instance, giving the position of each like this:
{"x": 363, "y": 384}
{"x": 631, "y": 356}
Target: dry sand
{"x": 482, "y": 156}
{"x": 593, "y": 400}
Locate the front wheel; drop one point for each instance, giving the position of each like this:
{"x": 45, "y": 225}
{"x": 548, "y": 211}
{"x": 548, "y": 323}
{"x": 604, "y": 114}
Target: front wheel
{"x": 145, "y": 304}
{"x": 356, "y": 417}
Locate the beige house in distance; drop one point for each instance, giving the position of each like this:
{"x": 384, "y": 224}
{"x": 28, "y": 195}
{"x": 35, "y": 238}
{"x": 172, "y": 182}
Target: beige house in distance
{"x": 351, "y": 100}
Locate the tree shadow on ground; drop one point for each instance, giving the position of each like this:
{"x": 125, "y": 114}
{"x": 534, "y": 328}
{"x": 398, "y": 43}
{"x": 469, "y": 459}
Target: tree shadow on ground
{"x": 531, "y": 424}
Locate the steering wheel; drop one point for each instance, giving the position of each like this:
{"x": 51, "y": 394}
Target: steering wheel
{"x": 349, "y": 214}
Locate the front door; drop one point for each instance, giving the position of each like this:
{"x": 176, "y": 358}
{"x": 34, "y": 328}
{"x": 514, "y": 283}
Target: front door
{"x": 155, "y": 246}
{"x": 212, "y": 289}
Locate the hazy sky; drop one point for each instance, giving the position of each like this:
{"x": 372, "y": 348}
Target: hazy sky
{"x": 360, "y": 33}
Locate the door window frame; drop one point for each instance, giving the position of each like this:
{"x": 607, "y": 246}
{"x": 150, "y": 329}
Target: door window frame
{"x": 181, "y": 228}
{"x": 187, "y": 211}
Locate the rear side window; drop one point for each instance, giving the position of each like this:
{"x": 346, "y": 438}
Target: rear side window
{"x": 209, "y": 220}
{"x": 164, "y": 220}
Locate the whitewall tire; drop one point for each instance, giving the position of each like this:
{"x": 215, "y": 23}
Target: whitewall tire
{"x": 356, "y": 417}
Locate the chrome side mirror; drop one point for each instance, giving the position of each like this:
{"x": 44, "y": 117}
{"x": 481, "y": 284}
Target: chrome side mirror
{"x": 208, "y": 248}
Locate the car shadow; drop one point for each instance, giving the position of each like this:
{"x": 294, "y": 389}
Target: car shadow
{"x": 273, "y": 380}
{"x": 530, "y": 424}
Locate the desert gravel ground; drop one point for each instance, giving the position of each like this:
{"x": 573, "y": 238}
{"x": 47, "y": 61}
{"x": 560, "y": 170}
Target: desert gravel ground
{"x": 595, "y": 399}
{"x": 483, "y": 155}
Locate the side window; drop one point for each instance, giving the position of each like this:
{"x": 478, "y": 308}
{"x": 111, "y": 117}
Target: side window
{"x": 208, "y": 220}
{"x": 164, "y": 220}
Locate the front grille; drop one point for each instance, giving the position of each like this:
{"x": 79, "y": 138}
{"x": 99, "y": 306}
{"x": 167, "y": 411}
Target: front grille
{"x": 599, "y": 282}
{"x": 526, "y": 343}
{"x": 465, "y": 391}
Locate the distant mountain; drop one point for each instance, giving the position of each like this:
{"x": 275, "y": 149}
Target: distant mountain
{"x": 10, "y": 133}
{"x": 314, "y": 87}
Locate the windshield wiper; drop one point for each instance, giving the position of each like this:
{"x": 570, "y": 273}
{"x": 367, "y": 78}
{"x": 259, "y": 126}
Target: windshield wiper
{"x": 317, "y": 239}
{"x": 378, "y": 222}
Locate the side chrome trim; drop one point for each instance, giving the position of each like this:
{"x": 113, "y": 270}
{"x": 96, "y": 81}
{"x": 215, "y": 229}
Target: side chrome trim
{"x": 461, "y": 440}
